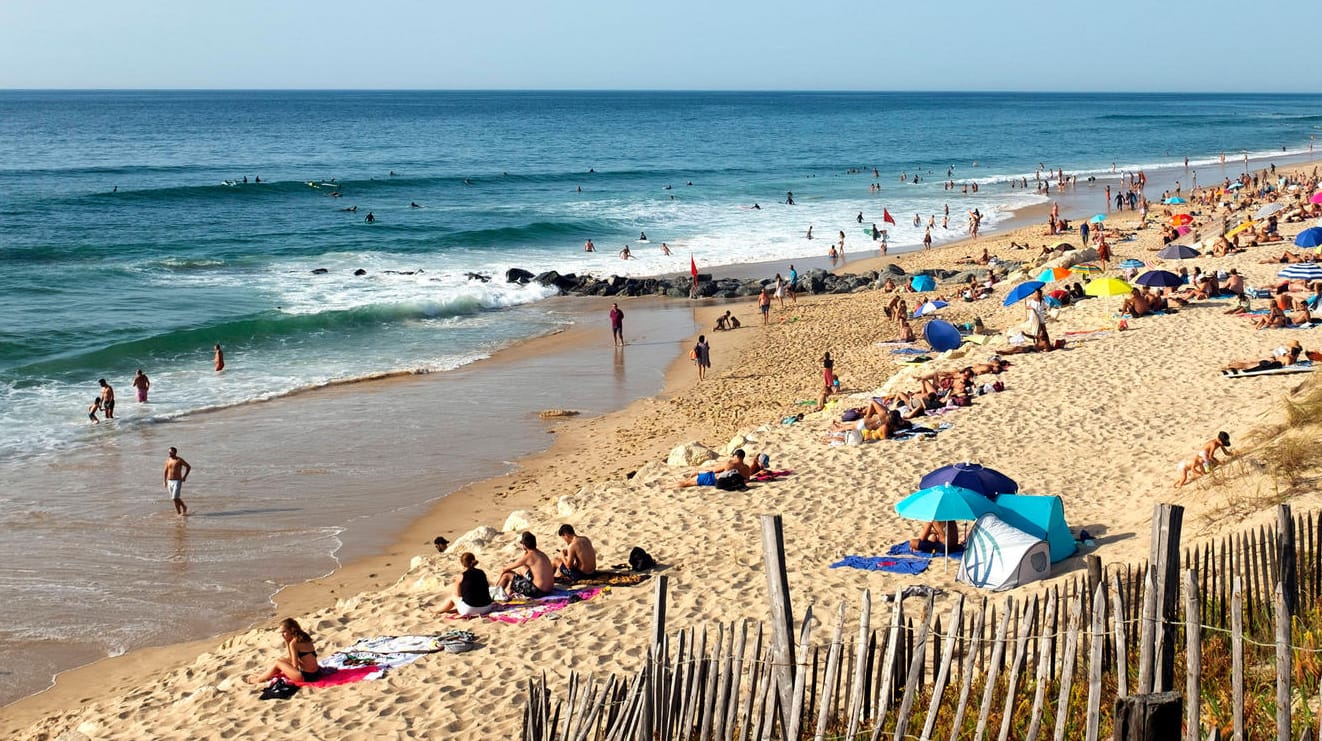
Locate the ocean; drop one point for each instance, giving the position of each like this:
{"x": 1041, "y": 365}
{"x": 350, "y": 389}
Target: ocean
{"x": 134, "y": 234}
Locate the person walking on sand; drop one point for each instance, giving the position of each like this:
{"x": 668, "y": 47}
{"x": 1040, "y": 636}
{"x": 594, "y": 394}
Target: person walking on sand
{"x": 702, "y": 355}
{"x": 617, "y": 324}
{"x": 176, "y": 473}
{"x": 220, "y": 358}
{"x": 107, "y": 399}
{"x": 141, "y": 383}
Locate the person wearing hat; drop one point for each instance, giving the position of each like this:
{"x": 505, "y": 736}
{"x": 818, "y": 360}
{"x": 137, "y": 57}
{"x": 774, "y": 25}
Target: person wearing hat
{"x": 1208, "y": 453}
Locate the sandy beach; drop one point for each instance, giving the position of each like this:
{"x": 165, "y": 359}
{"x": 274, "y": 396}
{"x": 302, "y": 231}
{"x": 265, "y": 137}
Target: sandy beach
{"x": 1101, "y": 423}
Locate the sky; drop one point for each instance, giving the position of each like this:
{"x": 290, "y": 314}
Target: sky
{"x": 1069, "y": 45}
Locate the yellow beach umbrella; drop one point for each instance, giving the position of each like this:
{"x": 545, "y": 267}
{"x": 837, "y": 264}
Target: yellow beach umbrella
{"x": 1107, "y": 287}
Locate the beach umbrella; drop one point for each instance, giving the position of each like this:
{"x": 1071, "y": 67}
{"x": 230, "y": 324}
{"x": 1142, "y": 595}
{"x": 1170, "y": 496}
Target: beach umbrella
{"x": 1132, "y": 264}
{"x": 1177, "y": 252}
{"x": 1175, "y": 200}
{"x": 1235, "y": 185}
{"x": 1159, "y": 279}
{"x": 1305, "y": 271}
{"x": 1107, "y": 287}
{"x": 942, "y": 335}
{"x": 973, "y": 476}
{"x": 1099, "y": 218}
{"x": 1053, "y": 274}
{"x": 1310, "y": 237}
{"x": 1268, "y": 210}
{"x": 1085, "y": 267}
{"x": 1317, "y": 197}
{"x": 944, "y": 502}
{"x": 1022, "y": 291}
{"x": 1059, "y": 294}
{"x": 923, "y": 283}
{"x": 929, "y": 307}
{"x": 1181, "y": 219}
{"x": 1063, "y": 247}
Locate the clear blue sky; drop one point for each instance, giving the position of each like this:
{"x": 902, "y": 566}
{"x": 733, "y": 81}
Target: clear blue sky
{"x": 1126, "y": 45}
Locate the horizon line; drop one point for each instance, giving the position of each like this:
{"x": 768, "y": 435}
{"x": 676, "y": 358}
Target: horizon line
{"x": 854, "y": 91}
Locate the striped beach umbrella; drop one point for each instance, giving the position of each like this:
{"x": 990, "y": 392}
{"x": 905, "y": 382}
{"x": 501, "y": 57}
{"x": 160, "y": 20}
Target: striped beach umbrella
{"x": 1132, "y": 264}
{"x": 1268, "y": 210}
{"x": 1305, "y": 271}
{"x": 1085, "y": 268}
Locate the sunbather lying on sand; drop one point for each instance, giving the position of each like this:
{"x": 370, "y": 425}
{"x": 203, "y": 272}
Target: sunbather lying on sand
{"x": 1281, "y": 357}
{"x": 937, "y": 537}
{"x": 708, "y": 477}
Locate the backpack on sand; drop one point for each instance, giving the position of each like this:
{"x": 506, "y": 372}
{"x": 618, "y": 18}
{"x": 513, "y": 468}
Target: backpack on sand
{"x": 640, "y": 560}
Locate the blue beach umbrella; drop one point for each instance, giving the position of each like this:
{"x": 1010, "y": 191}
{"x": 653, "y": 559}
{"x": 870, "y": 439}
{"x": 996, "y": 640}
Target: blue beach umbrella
{"x": 1159, "y": 279}
{"x": 942, "y": 335}
{"x": 1310, "y": 237}
{"x": 1175, "y": 200}
{"x": 1099, "y": 218}
{"x": 923, "y": 283}
{"x": 1132, "y": 264}
{"x": 1022, "y": 291}
{"x": 929, "y": 307}
{"x": 1305, "y": 271}
{"x": 1177, "y": 252}
{"x": 973, "y": 476}
{"x": 944, "y": 502}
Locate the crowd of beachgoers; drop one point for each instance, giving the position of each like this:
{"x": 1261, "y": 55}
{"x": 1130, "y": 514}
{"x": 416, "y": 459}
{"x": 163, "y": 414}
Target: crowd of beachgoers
{"x": 1100, "y": 386}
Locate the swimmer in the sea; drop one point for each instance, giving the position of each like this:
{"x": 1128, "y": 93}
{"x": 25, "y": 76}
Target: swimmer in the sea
{"x": 370, "y": 218}
{"x": 414, "y": 204}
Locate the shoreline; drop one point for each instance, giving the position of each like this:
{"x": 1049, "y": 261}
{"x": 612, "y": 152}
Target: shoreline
{"x": 358, "y": 575}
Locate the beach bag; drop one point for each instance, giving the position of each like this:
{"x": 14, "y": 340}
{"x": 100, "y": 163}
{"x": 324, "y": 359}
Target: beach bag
{"x": 730, "y": 481}
{"x": 640, "y": 560}
{"x": 853, "y": 437}
{"x": 851, "y": 415}
{"x": 278, "y": 689}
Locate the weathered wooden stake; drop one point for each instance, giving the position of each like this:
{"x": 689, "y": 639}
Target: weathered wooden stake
{"x": 1166, "y": 526}
{"x": 782, "y": 616}
{"x": 1152, "y": 717}
{"x": 1193, "y": 650}
{"x": 915, "y": 671}
{"x": 1067, "y": 667}
{"x": 1237, "y": 656}
{"x": 1096, "y": 653}
{"x": 1284, "y": 662}
{"x": 943, "y": 673}
{"x": 858, "y": 692}
{"x": 994, "y": 669}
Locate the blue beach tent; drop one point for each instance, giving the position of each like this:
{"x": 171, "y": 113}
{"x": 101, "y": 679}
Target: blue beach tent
{"x": 1040, "y": 516}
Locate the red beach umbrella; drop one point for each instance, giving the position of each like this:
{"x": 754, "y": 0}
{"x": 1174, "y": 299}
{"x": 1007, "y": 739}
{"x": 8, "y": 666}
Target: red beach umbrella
{"x": 1181, "y": 219}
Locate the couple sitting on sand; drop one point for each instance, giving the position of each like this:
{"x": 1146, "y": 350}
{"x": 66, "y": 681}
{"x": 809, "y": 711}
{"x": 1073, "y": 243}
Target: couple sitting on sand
{"x": 532, "y": 575}
{"x": 937, "y": 537}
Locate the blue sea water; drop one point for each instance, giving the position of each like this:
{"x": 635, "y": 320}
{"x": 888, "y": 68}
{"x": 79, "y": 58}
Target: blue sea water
{"x": 128, "y": 238}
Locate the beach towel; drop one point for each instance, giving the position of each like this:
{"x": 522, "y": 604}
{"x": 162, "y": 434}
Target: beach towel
{"x": 909, "y": 351}
{"x": 371, "y": 658}
{"x": 883, "y": 563}
{"x": 612, "y": 579}
{"x": 771, "y": 475}
{"x": 902, "y": 549}
{"x": 1296, "y": 368}
{"x": 522, "y": 610}
{"x": 916, "y": 432}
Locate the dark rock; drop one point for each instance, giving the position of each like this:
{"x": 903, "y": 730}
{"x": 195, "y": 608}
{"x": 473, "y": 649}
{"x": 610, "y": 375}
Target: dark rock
{"x": 518, "y": 275}
{"x": 360, "y": 271}
{"x": 473, "y": 276}
{"x": 893, "y": 269}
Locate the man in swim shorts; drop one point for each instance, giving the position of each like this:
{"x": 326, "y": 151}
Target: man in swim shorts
{"x": 176, "y": 473}
{"x": 530, "y": 576}
{"x": 708, "y": 478}
{"x": 578, "y": 559}
{"x": 107, "y": 399}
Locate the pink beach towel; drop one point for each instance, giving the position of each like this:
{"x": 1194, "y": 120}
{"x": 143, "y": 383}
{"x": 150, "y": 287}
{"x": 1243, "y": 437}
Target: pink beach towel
{"x": 521, "y": 611}
{"x": 348, "y": 675}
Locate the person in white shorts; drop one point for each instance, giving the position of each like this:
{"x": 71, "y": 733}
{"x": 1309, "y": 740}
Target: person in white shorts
{"x": 176, "y": 473}
{"x": 472, "y": 592}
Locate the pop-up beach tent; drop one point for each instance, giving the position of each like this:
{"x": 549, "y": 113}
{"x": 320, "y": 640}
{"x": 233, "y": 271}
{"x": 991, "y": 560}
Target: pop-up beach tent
{"x": 998, "y": 556}
{"x": 1043, "y": 517}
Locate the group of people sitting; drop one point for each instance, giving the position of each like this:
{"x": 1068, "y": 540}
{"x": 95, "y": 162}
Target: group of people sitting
{"x": 884, "y": 416}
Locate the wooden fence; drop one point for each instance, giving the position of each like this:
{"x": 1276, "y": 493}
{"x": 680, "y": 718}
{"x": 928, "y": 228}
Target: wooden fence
{"x": 1085, "y": 659}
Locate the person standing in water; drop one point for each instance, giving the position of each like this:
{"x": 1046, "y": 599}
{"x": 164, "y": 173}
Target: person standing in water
{"x": 107, "y": 399}
{"x": 141, "y": 383}
{"x": 702, "y": 356}
{"x": 617, "y": 324}
{"x": 176, "y": 473}
{"x": 219, "y": 359}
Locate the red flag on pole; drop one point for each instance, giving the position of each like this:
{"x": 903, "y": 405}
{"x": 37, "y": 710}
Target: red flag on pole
{"x": 886, "y": 216}
{"x": 693, "y": 267}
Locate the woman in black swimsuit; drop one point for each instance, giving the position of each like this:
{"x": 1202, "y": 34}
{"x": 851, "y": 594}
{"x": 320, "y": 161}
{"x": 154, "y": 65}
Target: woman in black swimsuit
{"x": 300, "y": 665}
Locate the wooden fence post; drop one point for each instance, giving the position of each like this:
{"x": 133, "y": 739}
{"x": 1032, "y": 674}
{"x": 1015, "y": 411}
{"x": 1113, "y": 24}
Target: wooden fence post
{"x": 1283, "y": 663}
{"x": 1096, "y": 653}
{"x": 1067, "y": 668}
{"x": 1147, "y": 628}
{"x": 1288, "y": 570}
{"x": 782, "y": 616}
{"x": 1118, "y": 628}
{"x": 915, "y": 671}
{"x": 1166, "y": 526}
{"x": 943, "y": 673}
{"x": 1193, "y": 651}
{"x": 653, "y": 658}
{"x": 1237, "y": 656}
{"x": 1153, "y": 717}
{"x": 994, "y": 669}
